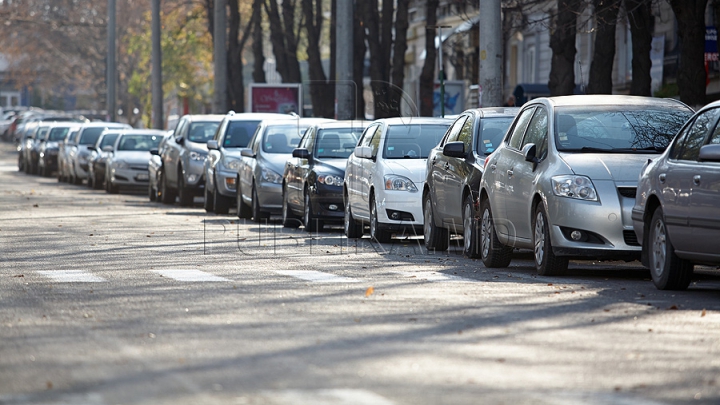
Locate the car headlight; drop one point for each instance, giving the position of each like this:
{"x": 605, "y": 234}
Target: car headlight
{"x": 578, "y": 187}
{"x": 330, "y": 180}
{"x": 197, "y": 156}
{"x": 271, "y": 177}
{"x": 399, "y": 183}
{"x": 231, "y": 163}
{"x": 120, "y": 164}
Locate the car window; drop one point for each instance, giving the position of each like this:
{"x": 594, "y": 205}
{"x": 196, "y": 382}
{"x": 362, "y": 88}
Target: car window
{"x": 108, "y": 140}
{"x": 90, "y": 135}
{"x": 694, "y": 135}
{"x": 138, "y": 142}
{"x": 201, "y": 132}
{"x": 368, "y": 134}
{"x": 282, "y": 138}
{"x": 454, "y": 131}
{"x": 490, "y": 133}
{"x": 336, "y": 142}
{"x": 715, "y": 138}
{"x": 518, "y": 130}
{"x": 180, "y": 128}
{"x": 41, "y": 132}
{"x": 537, "y": 132}
{"x": 238, "y": 133}
{"x": 58, "y": 134}
{"x": 308, "y": 139}
{"x": 412, "y": 141}
{"x": 466, "y": 134}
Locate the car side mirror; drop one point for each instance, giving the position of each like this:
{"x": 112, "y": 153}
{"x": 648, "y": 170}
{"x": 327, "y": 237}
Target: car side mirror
{"x": 364, "y": 152}
{"x": 247, "y": 152}
{"x": 108, "y": 148}
{"x": 155, "y": 152}
{"x": 92, "y": 147}
{"x": 530, "y": 153}
{"x": 301, "y": 153}
{"x": 710, "y": 153}
{"x": 179, "y": 140}
{"x": 212, "y": 144}
{"x": 455, "y": 149}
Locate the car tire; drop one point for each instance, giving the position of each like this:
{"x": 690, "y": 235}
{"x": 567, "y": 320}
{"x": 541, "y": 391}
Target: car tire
{"x": 184, "y": 195}
{"x": 352, "y": 228}
{"x": 471, "y": 242}
{"x": 312, "y": 223}
{"x": 111, "y": 188}
{"x": 493, "y": 253}
{"x": 377, "y": 233}
{"x": 257, "y": 214}
{"x": 97, "y": 183}
{"x": 546, "y": 263}
{"x": 152, "y": 195}
{"x": 243, "y": 210}
{"x": 209, "y": 203}
{"x": 289, "y": 220}
{"x": 221, "y": 204}
{"x": 166, "y": 195}
{"x": 435, "y": 238}
{"x": 91, "y": 180}
{"x": 668, "y": 271}
{"x": 21, "y": 164}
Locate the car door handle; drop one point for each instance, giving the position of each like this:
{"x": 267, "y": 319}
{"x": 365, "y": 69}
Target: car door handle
{"x": 493, "y": 166}
{"x": 696, "y": 180}
{"x": 447, "y": 165}
{"x": 510, "y": 172}
{"x": 662, "y": 177}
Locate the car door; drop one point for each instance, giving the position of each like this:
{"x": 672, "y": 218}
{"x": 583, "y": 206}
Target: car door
{"x": 172, "y": 153}
{"x": 522, "y": 179}
{"x": 456, "y": 173}
{"x": 704, "y": 217}
{"x": 439, "y": 168}
{"x": 500, "y": 170}
{"x": 369, "y": 168}
{"x": 298, "y": 169}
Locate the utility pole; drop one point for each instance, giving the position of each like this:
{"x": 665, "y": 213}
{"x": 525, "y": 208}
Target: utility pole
{"x": 344, "y": 86}
{"x": 220, "y": 56}
{"x": 491, "y": 72}
{"x": 111, "y": 63}
{"x": 157, "y": 91}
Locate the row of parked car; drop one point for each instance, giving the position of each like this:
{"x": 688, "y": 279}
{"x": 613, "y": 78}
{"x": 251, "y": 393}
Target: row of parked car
{"x": 575, "y": 177}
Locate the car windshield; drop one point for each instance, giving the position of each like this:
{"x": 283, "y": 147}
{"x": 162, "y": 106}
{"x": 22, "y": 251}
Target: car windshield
{"x": 336, "y": 142}
{"x": 58, "y": 134}
{"x": 492, "y": 131}
{"x": 618, "y": 129}
{"x": 108, "y": 140}
{"x": 90, "y": 135}
{"x": 282, "y": 138}
{"x": 138, "y": 142}
{"x": 238, "y": 133}
{"x": 41, "y": 132}
{"x": 412, "y": 141}
{"x": 201, "y": 132}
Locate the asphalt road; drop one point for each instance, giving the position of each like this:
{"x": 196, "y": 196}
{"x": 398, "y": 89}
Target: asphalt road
{"x": 112, "y": 299}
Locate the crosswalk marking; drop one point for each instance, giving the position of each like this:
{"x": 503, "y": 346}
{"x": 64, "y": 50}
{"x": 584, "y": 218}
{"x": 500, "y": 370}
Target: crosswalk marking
{"x": 189, "y": 275}
{"x": 71, "y": 276}
{"x": 317, "y": 276}
{"x": 431, "y": 276}
{"x": 327, "y": 397}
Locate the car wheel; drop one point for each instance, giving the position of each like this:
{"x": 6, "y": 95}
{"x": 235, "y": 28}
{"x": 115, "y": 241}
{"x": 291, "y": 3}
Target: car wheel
{"x": 209, "y": 203}
{"x": 257, "y": 214}
{"x": 312, "y": 224}
{"x": 471, "y": 245}
{"x": 436, "y": 238}
{"x": 377, "y": 233}
{"x": 289, "y": 220}
{"x": 21, "y": 164}
{"x": 112, "y": 188}
{"x": 97, "y": 182}
{"x": 166, "y": 195}
{"x": 184, "y": 195}
{"x": 243, "y": 210}
{"x": 669, "y": 272}
{"x": 352, "y": 228}
{"x": 493, "y": 253}
{"x": 91, "y": 180}
{"x": 546, "y": 263}
{"x": 152, "y": 195}
{"x": 221, "y": 203}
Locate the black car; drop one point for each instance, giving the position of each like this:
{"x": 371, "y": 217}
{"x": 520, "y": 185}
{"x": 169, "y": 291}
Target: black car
{"x": 98, "y": 157}
{"x": 313, "y": 178}
{"x": 454, "y": 170}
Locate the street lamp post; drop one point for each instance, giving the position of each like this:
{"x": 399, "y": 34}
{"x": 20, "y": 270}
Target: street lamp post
{"x": 442, "y": 67}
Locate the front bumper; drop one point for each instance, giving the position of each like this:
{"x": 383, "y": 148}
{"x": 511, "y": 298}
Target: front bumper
{"x": 129, "y": 177}
{"x": 225, "y": 184}
{"x": 326, "y": 205}
{"x": 406, "y": 205}
{"x": 270, "y": 196}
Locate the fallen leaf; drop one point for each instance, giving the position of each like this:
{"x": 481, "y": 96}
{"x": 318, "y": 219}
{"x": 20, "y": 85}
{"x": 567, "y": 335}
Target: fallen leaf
{"x": 703, "y": 313}
{"x": 550, "y": 284}
{"x": 673, "y": 307}
{"x": 369, "y": 291}
{"x": 35, "y": 206}
{"x": 49, "y": 385}
{"x": 22, "y": 275}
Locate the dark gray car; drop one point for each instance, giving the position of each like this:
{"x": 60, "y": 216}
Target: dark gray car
{"x": 677, "y": 209}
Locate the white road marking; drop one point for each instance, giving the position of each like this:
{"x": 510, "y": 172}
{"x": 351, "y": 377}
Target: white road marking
{"x": 327, "y": 397}
{"x": 71, "y": 276}
{"x": 189, "y": 275}
{"x": 8, "y": 168}
{"x": 431, "y": 276}
{"x": 316, "y": 276}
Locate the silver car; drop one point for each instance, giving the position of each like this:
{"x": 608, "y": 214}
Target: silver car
{"x": 563, "y": 181}
{"x": 79, "y": 155}
{"x": 127, "y": 163}
{"x": 677, "y": 210}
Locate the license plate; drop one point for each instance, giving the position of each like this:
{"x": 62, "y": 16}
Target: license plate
{"x": 142, "y": 176}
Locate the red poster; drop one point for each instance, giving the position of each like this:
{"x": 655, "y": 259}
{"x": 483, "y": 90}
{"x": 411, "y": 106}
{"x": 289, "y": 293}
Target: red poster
{"x": 281, "y": 99}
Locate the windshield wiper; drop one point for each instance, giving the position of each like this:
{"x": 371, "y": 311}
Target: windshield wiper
{"x": 657, "y": 149}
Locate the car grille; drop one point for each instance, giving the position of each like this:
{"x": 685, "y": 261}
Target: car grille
{"x": 630, "y": 238}
{"x": 627, "y": 192}
{"x": 139, "y": 167}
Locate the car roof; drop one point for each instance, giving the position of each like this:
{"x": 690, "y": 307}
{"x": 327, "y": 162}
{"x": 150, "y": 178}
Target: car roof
{"x": 135, "y": 131}
{"x": 204, "y": 117}
{"x": 96, "y": 124}
{"x": 414, "y": 120}
{"x": 608, "y": 99}
{"x": 342, "y": 124}
{"x": 257, "y": 116}
{"x": 491, "y": 112}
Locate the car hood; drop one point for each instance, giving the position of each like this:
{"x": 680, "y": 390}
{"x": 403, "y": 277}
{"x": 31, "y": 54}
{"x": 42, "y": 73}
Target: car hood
{"x": 140, "y": 157}
{"x": 331, "y": 165}
{"x": 197, "y": 147}
{"x": 414, "y": 169}
{"x": 619, "y": 167}
{"x": 274, "y": 161}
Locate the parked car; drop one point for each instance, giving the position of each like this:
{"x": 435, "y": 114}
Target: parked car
{"x": 79, "y": 155}
{"x": 184, "y": 155}
{"x": 26, "y": 135}
{"x": 563, "y": 180}
{"x": 220, "y": 167}
{"x": 50, "y": 145}
{"x": 677, "y": 209}
{"x": 155, "y": 168}
{"x": 32, "y": 146}
{"x": 313, "y": 177}
{"x": 127, "y": 163}
{"x": 454, "y": 170}
{"x": 98, "y": 158}
{"x": 386, "y": 173}
{"x": 259, "y": 178}
{"x": 65, "y": 147}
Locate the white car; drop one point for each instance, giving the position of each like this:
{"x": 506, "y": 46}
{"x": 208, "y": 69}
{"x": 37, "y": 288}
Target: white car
{"x": 386, "y": 173}
{"x": 127, "y": 164}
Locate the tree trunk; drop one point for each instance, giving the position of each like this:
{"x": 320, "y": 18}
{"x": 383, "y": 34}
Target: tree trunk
{"x": 283, "y": 42}
{"x": 562, "y": 43}
{"x": 642, "y": 24}
{"x": 322, "y": 93}
{"x": 427, "y": 76}
{"x": 379, "y": 38}
{"x": 601, "y": 68}
{"x": 235, "y": 87}
{"x": 397, "y": 74}
{"x": 257, "y": 46}
{"x": 359, "y": 50}
{"x": 690, "y": 15}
